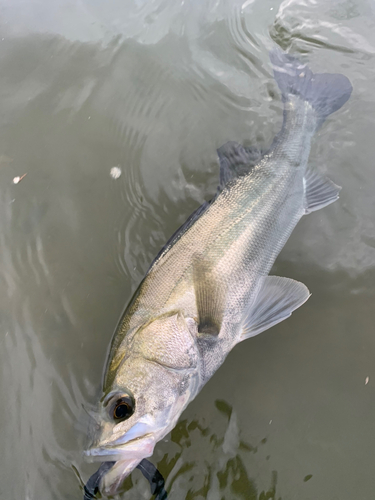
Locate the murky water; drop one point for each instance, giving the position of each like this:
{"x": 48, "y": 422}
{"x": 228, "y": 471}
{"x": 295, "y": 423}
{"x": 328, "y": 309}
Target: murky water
{"x": 155, "y": 87}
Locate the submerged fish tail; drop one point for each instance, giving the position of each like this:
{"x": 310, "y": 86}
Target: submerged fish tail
{"x": 324, "y": 91}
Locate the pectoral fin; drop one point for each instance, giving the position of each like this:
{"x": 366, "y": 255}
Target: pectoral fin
{"x": 209, "y": 297}
{"x": 276, "y": 300}
{"x": 320, "y": 191}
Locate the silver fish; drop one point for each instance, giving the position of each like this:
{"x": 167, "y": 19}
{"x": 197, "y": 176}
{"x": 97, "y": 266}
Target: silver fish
{"x": 209, "y": 288}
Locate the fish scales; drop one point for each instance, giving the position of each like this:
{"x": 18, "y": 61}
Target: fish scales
{"x": 209, "y": 288}
{"x": 253, "y": 203}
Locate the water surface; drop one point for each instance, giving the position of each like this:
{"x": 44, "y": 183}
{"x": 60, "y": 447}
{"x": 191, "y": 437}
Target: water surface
{"x": 155, "y": 87}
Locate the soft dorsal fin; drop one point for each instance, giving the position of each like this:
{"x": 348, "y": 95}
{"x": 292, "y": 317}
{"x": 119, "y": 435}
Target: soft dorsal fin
{"x": 276, "y": 300}
{"x": 209, "y": 297}
{"x": 320, "y": 191}
{"x": 235, "y": 160}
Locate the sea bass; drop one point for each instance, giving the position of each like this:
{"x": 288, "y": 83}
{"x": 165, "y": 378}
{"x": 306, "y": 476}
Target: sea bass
{"x": 209, "y": 288}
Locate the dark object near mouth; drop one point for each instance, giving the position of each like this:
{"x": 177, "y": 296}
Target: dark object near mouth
{"x": 148, "y": 469}
{"x": 155, "y": 479}
{"x": 91, "y": 488}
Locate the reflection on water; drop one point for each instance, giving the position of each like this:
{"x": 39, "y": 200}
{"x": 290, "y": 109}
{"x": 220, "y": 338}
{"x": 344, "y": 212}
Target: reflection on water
{"x": 218, "y": 470}
{"x": 154, "y": 88}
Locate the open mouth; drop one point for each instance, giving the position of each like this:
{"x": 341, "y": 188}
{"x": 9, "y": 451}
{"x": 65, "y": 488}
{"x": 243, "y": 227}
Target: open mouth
{"x": 112, "y": 480}
{"x": 134, "y": 449}
{"x": 126, "y": 455}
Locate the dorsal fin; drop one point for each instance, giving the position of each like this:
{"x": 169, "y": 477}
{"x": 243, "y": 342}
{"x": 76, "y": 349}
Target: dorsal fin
{"x": 181, "y": 230}
{"x": 235, "y": 160}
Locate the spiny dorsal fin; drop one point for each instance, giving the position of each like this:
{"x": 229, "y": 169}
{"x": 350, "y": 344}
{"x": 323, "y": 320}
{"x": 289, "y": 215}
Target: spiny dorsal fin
{"x": 181, "y": 230}
{"x": 235, "y": 160}
{"x": 320, "y": 191}
{"x": 276, "y": 300}
{"x": 209, "y": 297}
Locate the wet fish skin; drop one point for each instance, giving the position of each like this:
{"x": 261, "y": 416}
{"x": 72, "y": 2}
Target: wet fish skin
{"x": 209, "y": 288}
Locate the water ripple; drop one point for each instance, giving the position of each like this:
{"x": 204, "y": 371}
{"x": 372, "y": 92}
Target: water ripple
{"x": 155, "y": 87}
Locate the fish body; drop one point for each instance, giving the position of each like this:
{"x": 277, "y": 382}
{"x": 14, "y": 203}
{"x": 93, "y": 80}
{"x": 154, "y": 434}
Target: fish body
{"x": 209, "y": 288}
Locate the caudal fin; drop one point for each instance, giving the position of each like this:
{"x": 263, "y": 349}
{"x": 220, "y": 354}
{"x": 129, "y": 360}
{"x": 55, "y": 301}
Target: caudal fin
{"x": 325, "y": 92}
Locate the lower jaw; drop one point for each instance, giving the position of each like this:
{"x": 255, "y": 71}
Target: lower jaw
{"x": 113, "y": 479}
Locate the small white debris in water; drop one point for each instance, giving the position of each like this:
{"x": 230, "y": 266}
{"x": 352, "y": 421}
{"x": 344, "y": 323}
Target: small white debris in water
{"x": 367, "y": 380}
{"x": 270, "y": 422}
{"x": 271, "y": 8}
{"x": 18, "y": 179}
{"x": 115, "y": 172}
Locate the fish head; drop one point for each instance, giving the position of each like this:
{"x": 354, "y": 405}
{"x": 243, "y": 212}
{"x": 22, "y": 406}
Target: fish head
{"x": 149, "y": 389}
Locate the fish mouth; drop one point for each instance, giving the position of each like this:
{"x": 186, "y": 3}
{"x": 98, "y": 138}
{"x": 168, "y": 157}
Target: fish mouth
{"x": 126, "y": 455}
{"x": 112, "y": 480}
{"x": 134, "y": 449}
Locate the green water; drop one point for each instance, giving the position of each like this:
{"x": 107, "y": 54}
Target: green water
{"x": 155, "y": 88}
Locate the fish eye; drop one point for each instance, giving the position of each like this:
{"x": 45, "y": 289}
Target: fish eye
{"x": 123, "y": 408}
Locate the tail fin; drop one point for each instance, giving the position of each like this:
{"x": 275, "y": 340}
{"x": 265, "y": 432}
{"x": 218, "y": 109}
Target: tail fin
{"x": 324, "y": 91}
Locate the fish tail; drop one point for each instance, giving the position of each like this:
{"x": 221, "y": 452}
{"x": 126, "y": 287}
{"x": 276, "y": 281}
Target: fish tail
{"x": 326, "y": 92}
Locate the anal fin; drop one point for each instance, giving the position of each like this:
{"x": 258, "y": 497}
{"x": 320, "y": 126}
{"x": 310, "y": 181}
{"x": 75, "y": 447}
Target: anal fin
{"x": 276, "y": 300}
{"x": 320, "y": 191}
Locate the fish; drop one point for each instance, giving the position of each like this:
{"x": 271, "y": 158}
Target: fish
{"x": 209, "y": 288}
